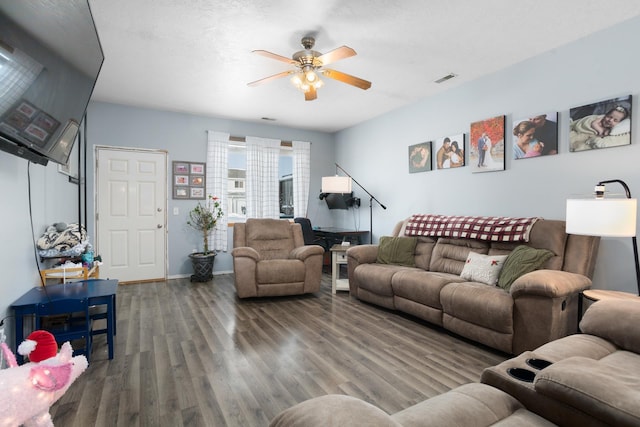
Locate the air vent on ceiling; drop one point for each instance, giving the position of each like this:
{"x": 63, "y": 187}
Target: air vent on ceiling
{"x": 445, "y": 78}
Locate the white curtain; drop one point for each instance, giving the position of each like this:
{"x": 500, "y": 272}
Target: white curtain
{"x": 17, "y": 72}
{"x": 301, "y": 177}
{"x": 263, "y": 190}
{"x": 217, "y": 160}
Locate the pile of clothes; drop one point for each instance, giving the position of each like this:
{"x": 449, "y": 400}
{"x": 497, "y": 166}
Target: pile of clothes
{"x": 62, "y": 240}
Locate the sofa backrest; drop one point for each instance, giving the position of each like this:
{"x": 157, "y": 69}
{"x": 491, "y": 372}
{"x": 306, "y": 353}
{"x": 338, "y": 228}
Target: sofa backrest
{"x": 572, "y": 253}
{"x": 272, "y": 238}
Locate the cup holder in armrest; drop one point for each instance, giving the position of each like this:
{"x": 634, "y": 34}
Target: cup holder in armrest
{"x": 522, "y": 374}
{"x": 538, "y": 363}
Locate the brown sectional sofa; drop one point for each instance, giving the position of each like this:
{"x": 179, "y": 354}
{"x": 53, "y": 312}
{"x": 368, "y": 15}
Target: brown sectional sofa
{"x": 593, "y": 380}
{"x": 539, "y": 307}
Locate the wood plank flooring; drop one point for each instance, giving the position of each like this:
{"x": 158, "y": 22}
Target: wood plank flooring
{"x": 193, "y": 354}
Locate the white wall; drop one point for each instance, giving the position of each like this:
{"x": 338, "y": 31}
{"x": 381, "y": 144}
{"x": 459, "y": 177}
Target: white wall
{"x": 596, "y": 68}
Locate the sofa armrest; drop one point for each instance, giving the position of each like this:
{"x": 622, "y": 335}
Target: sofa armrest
{"x": 304, "y": 252}
{"x": 549, "y": 283}
{"x": 357, "y": 255}
{"x": 607, "y": 392}
{"x": 247, "y": 252}
{"x": 363, "y": 254}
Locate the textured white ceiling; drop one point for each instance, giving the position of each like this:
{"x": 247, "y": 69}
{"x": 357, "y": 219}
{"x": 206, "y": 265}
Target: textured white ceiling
{"x": 195, "y": 56}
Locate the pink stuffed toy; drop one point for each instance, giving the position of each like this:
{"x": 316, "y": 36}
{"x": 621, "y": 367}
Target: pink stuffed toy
{"x": 29, "y": 390}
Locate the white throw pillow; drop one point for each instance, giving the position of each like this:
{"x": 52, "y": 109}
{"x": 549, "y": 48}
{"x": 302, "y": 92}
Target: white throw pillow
{"x": 483, "y": 268}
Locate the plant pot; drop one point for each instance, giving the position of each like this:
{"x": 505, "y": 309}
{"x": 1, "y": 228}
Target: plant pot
{"x": 202, "y": 266}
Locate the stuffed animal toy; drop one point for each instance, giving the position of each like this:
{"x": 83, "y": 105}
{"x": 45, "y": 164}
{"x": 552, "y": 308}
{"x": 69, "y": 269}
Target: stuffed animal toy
{"x": 29, "y": 390}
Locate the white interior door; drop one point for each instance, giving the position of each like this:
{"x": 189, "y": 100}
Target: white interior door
{"x": 131, "y": 204}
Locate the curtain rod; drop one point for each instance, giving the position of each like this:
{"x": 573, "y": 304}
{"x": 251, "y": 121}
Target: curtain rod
{"x": 243, "y": 139}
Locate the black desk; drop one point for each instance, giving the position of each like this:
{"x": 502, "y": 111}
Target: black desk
{"x": 334, "y": 235}
{"x": 96, "y": 292}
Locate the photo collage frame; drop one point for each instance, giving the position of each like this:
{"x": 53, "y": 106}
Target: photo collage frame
{"x": 189, "y": 179}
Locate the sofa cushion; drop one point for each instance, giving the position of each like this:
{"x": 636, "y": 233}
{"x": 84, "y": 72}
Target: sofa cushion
{"x": 483, "y": 268}
{"x": 615, "y": 320}
{"x": 449, "y": 255}
{"x": 376, "y": 278}
{"x": 333, "y": 410}
{"x": 609, "y": 392}
{"x": 397, "y": 250}
{"x": 487, "y": 306}
{"x": 421, "y": 286}
{"x": 424, "y": 249}
{"x": 272, "y": 238}
{"x": 280, "y": 271}
{"x": 469, "y": 405}
{"x": 523, "y": 259}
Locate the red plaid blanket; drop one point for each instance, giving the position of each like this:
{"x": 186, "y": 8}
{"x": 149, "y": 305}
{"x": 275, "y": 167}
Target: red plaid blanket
{"x": 491, "y": 228}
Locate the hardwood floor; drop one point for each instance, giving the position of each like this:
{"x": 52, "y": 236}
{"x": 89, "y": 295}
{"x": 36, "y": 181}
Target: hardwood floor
{"x": 193, "y": 354}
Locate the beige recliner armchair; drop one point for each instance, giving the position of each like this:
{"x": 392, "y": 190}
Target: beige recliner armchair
{"x": 271, "y": 259}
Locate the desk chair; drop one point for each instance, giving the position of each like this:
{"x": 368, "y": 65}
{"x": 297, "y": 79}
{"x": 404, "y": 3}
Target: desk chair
{"x": 65, "y": 327}
{"x": 309, "y": 235}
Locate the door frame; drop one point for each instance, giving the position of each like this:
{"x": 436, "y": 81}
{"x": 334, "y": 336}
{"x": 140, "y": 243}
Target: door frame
{"x": 165, "y": 153}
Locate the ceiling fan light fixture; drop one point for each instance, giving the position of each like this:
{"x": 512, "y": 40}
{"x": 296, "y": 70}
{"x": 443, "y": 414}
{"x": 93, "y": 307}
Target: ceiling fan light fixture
{"x": 304, "y": 80}
{"x": 306, "y": 76}
{"x": 297, "y": 79}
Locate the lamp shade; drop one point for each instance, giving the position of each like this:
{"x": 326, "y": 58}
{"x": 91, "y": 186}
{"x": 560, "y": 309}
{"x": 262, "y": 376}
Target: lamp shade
{"x": 336, "y": 184}
{"x": 602, "y": 217}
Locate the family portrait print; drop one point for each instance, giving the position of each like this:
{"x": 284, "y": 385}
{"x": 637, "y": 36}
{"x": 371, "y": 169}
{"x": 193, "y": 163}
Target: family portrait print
{"x": 535, "y": 135}
{"x": 602, "y": 124}
{"x": 450, "y": 152}
{"x": 420, "y": 157}
{"x": 486, "y": 145}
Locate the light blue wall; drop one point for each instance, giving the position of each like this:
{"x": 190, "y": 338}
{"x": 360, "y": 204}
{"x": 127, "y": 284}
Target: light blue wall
{"x": 184, "y": 137}
{"x": 596, "y": 68}
{"x": 599, "y": 67}
{"x": 53, "y": 199}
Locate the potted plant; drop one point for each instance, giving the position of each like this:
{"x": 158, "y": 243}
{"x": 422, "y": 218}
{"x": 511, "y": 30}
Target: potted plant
{"x": 204, "y": 218}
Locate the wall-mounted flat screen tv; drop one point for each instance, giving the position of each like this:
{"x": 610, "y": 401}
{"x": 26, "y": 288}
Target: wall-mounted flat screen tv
{"x": 50, "y": 58}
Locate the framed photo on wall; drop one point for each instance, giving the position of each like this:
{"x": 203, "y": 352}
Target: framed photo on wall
{"x": 188, "y": 180}
{"x": 420, "y": 157}
{"x": 486, "y": 145}
{"x": 602, "y": 124}
{"x": 535, "y": 135}
{"x": 449, "y": 152}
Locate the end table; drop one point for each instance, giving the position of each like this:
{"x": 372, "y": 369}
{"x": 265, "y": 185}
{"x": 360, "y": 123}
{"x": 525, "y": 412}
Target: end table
{"x": 338, "y": 258}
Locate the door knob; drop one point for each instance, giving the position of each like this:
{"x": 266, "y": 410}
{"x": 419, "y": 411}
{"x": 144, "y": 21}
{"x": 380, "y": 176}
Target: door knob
{"x": 159, "y": 225}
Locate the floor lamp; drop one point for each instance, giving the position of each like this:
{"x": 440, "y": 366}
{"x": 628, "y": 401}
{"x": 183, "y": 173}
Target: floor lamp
{"x": 602, "y": 216}
{"x": 342, "y": 184}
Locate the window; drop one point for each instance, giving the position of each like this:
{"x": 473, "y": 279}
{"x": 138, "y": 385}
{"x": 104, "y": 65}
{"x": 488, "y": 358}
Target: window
{"x": 236, "y": 188}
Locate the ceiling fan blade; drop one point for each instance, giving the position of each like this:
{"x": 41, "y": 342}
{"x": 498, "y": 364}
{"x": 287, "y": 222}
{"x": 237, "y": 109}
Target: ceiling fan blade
{"x": 346, "y": 78}
{"x": 275, "y": 56}
{"x": 268, "y": 79}
{"x": 336, "y": 54}
{"x": 311, "y": 94}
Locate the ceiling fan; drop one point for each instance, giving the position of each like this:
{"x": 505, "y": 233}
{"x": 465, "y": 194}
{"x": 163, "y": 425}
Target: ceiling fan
{"x": 309, "y": 64}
